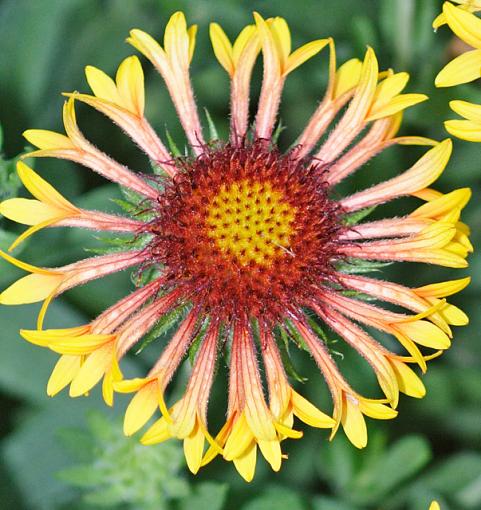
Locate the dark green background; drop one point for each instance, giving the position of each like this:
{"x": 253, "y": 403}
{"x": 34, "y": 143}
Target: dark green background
{"x": 57, "y": 454}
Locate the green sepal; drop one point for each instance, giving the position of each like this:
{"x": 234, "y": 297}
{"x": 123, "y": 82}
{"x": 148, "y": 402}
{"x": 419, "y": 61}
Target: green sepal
{"x": 277, "y": 132}
{"x": 354, "y": 218}
{"x": 163, "y": 326}
{"x": 172, "y": 145}
{"x": 359, "y": 266}
{"x": 213, "y": 133}
{"x": 197, "y": 341}
{"x": 282, "y": 341}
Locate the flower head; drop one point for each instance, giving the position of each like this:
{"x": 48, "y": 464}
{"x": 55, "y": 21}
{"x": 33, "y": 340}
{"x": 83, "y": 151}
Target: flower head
{"x": 250, "y": 248}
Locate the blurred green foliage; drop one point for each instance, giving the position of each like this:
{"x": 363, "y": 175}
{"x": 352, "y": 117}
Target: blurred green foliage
{"x": 70, "y": 454}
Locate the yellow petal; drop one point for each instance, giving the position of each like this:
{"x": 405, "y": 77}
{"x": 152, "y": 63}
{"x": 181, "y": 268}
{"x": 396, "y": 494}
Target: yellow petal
{"x": 271, "y": 450}
{"x": 102, "y": 85}
{"x": 140, "y": 409}
{"x": 158, "y": 433}
{"x": 239, "y": 439}
{"x": 112, "y": 375}
{"x": 443, "y": 289}
{"x": 464, "y": 129}
{"x": 191, "y": 34}
{"x": 176, "y": 40}
{"x": 444, "y": 204}
{"x": 366, "y": 89}
{"x": 463, "y": 69}
{"x": 194, "y": 449}
{"x": 132, "y": 385}
{"x": 353, "y": 423}
{"x": 470, "y": 111}
{"x": 42, "y": 190}
{"x": 287, "y": 431}
{"x": 305, "y": 52}
{"x": 44, "y": 139}
{"x": 464, "y": 24}
{"x": 31, "y": 289}
{"x": 95, "y": 366}
{"x": 65, "y": 370}
{"x": 347, "y": 77}
{"x": 282, "y": 39}
{"x": 246, "y": 463}
{"x": 146, "y": 44}
{"x": 28, "y": 211}
{"x": 396, "y": 105}
{"x": 244, "y": 41}
{"x": 434, "y": 506}
{"x": 222, "y": 48}
{"x": 78, "y": 345}
{"x": 409, "y": 383}
{"x": 425, "y": 333}
{"x": 308, "y": 413}
{"x": 387, "y": 89}
{"x": 130, "y": 84}
{"x": 377, "y": 410}
{"x": 452, "y": 314}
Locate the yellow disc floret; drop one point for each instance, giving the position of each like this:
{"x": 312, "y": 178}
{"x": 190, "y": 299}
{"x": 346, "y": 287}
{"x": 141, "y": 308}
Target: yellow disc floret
{"x": 251, "y": 221}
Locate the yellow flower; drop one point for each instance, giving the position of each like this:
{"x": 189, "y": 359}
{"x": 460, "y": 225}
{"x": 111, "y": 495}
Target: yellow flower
{"x": 251, "y": 250}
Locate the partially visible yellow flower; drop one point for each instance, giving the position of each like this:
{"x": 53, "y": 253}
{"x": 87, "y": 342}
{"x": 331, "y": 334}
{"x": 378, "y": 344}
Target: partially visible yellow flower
{"x": 434, "y": 506}
{"x": 466, "y": 67}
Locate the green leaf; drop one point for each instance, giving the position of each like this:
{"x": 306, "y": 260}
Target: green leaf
{"x": 403, "y": 460}
{"x": 465, "y": 486}
{"x": 276, "y": 498}
{"x": 25, "y": 368}
{"x": 33, "y": 454}
{"x": 208, "y": 495}
{"x": 325, "y": 503}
